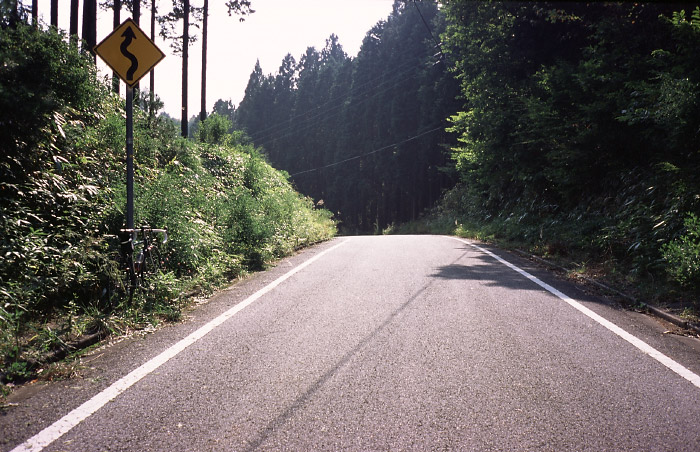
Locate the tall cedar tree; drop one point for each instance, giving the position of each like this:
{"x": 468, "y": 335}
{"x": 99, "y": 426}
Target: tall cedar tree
{"x": 152, "y": 75}
{"x": 181, "y": 11}
{"x": 185, "y": 62}
{"x": 136, "y": 12}
{"x": 12, "y": 13}
{"x": 116, "y": 21}
{"x": 205, "y": 31}
{"x": 184, "y": 11}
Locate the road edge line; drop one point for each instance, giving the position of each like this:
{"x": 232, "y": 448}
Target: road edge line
{"x": 676, "y": 367}
{"x": 59, "y": 428}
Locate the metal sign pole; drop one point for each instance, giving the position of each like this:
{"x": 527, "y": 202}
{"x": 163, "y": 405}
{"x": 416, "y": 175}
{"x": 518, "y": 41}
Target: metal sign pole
{"x": 129, "y": 158}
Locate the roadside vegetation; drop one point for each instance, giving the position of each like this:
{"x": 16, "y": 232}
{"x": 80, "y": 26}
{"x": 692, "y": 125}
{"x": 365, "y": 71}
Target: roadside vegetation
{"x": 63, "y": 196}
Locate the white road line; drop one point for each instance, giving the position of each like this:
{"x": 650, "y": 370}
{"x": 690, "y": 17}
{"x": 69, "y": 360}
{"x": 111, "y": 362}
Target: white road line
{"x": 640, "y": 344}
{"x": 66, "y": 423}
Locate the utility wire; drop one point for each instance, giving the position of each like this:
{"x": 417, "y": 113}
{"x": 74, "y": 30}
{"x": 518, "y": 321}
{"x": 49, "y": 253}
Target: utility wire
{"x": 368, "y": 153}
{"x": 437, "y": 43}
{"x": 268, "y": 134}
{"x": 351, "y": 91}
{"x": 295, "y": 128}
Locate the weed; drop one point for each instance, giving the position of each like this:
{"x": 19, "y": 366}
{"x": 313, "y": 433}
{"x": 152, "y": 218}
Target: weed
{"x": 683, "y": 255}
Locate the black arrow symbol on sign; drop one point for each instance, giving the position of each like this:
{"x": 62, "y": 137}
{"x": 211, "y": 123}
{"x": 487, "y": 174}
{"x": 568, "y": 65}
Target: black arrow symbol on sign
{"x": 128, "y": 36}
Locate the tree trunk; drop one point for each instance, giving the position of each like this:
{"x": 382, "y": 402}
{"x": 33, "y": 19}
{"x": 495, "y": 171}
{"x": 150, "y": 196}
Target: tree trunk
{"x": 203, "y": 110}
{"x": 152, "y": 75}
{"x": 116, "y": 21}
{"x": 35, "y": 12}
{"x": 12, "y": 7}
{"x": 54, "y": 13}
{"x": 90, "y": 25}
{"x": 137, "y": 18}
{"x": 74, "y": 17}
{"x": 185, "y": 56}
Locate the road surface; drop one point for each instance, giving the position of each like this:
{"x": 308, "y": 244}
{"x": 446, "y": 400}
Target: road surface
{"x": 381, "y": 343}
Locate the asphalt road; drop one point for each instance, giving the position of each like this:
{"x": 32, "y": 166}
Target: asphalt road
{"x": 381, "y": 343}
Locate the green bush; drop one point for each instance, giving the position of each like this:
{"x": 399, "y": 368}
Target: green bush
{"x": 683, "y": 255}
{"x": 214, "y": 130}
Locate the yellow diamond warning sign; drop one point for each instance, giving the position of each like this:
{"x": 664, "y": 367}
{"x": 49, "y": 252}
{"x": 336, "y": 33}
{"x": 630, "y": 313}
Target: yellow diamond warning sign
{"x": 129, "y": 52}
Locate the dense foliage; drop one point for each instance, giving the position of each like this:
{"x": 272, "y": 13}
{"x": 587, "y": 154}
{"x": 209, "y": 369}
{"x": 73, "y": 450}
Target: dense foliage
{"x": 581, "y": 127}
{"x": 63, "y": 200}
{"x": 365, "y": 135}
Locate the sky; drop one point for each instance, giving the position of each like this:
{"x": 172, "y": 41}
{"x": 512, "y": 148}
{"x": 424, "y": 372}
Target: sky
{"x": 277, "y": 27}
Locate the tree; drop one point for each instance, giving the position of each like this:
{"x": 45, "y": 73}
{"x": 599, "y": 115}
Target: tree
{"x": 366, "y": 135}
{"x": 152, "y": 75}
{"x": 12, "y": 13}
{"x": 181, "y": 11}
{"x": 226, "y": 109}
{"x": 185, "y": 12}
{"x": 116, "y": 21}
{"x": 136, "y": 12}
{"x": 185, "y": 57}
{"x": 579, "y": 111}
{"x": 205, "y": 30}
{"x": 249, "y": 115}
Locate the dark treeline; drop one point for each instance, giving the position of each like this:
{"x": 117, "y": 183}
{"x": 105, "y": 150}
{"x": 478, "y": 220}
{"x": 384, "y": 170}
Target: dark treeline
{"x": 366, "y": 135}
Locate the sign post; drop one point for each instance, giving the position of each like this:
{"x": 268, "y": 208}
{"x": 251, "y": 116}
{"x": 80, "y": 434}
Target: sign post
{"x": 131, "y": 55}
{"x": 129, "y": 157}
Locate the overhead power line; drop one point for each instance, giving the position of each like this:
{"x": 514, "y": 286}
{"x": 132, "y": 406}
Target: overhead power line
{"x": 277, "y": 130}
{"x": 415, "y": 137}
{"x": 291, "y": 128}
{"x": 425, "y": 22}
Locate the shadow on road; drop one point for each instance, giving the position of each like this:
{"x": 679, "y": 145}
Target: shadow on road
{"x": 490, "y": 273}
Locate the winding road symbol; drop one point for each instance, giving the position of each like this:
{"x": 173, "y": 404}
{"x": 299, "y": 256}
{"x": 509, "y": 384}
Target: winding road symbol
{"x": 129, "y": 36}
{"x": 129, "y": 52}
